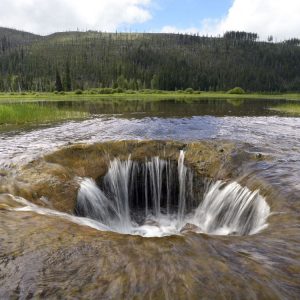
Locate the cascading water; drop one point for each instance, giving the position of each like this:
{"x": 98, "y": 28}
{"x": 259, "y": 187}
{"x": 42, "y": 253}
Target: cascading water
{"x": 156, "y": 198}
{"x": 231, "y": 209}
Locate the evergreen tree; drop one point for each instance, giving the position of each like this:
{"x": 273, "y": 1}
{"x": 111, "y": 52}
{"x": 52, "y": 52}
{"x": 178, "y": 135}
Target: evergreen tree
{"x": 67, "y": 78}
{"x": 139, "y": 84}
{"x": 155, "y": 82}
{"x": 58, "y": 83}
{"x": 132, "y": 84}
{"x": 121, "y": 82}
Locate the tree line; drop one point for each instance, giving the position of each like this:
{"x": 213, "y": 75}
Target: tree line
{"x": 86, "y": 60}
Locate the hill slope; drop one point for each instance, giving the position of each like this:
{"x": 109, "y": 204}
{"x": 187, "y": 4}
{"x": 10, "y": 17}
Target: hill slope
{"x": 161, "y": 61}
{"x": 11, "y": 38}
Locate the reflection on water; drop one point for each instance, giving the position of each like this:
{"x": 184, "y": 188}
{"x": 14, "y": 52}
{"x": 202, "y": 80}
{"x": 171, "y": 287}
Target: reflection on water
{"x": 171, "y": 107}
{"x": 177, "y": 108}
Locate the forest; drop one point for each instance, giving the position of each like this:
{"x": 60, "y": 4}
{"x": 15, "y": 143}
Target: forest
{"x": 136, "y": 61}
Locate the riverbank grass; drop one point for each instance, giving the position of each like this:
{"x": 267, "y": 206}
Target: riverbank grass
{"x": 147, "y": 95}
{"x": 34, "y": 113}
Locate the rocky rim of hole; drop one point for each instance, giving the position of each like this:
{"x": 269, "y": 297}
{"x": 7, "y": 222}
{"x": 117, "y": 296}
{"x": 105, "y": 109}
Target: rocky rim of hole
{"x": 53, "y": 180}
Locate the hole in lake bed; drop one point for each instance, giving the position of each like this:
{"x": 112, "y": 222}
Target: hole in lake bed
{"x": 159, "y": 197}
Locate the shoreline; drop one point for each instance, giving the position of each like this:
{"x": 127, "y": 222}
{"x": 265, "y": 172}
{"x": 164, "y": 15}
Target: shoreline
{"x": 160, "y": 95}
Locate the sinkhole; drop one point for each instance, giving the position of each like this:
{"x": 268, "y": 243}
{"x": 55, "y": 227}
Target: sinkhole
{"x": 159, "y": 197}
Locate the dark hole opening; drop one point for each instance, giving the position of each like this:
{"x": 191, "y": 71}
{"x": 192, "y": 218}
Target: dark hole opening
{"x": 151, "y": 187}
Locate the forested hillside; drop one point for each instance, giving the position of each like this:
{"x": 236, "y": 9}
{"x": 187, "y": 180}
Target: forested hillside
{"x": 85, "y": 60}
{"x": 11, "y": 38}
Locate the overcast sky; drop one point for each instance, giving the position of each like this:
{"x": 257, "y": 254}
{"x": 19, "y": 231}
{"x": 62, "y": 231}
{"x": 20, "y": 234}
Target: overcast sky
{"x": 280, "y": 18}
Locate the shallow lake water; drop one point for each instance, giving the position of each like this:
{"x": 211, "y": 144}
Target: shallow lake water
{"x": 95, "y": 264}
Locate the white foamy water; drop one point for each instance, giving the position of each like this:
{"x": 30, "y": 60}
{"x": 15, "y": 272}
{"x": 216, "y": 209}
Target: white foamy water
{"x": 236, "y": 211}
{"x": 143, "y": 200}
{"x": 226, "y": 209}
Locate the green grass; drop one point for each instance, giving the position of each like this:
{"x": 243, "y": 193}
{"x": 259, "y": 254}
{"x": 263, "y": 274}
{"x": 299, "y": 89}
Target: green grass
{"x": 157, "y": 95}
{"x": 292, "y": 108}
{"x": 34, "y": 113}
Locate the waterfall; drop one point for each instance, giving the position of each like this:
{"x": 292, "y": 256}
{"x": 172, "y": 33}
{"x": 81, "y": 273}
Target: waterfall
{"x": 155, "y": 198}
{"x": 231, "y": 209}
{"x": 182, "y": 171}
{"x": 93, "y": 203}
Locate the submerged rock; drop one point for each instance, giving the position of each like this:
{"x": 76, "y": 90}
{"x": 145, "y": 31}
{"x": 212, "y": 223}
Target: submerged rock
{"x": 190, "y": 228}
{"x": 151, "y": 222}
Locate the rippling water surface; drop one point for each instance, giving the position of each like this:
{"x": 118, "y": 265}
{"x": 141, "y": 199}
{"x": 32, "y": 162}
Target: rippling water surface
{"x": 262, "y": 266}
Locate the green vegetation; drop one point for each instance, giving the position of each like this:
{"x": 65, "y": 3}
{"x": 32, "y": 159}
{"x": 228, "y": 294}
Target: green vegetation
{"x": 92, "y": 60}
{"x": 237, "y": 91}
{"x": 20, "y": 108}
{"x": 34, "y": 113}
{"x": 98, "y": 94}
{"x": 189, "y": 90}
{"x": 291, "y": 108}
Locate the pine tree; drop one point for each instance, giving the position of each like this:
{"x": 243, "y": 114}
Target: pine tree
{"x": 155, "y": 82}
{"x": 121, "y": 82}
{"x": 67, "y": 79}
{"x": 58, "y": 84}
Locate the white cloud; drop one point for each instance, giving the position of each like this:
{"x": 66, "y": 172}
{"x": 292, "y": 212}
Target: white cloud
{"x": 47, "y": 16}
{"x": 174, "y": 29}
{"x": 280, "y": 18}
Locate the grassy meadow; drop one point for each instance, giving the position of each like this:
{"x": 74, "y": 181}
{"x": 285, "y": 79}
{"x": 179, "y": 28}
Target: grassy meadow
{"x": 35, "y": 113}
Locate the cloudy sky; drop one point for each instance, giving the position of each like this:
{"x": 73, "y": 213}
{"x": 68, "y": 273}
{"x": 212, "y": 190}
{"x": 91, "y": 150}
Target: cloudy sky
{"x": 279, "y": 18}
